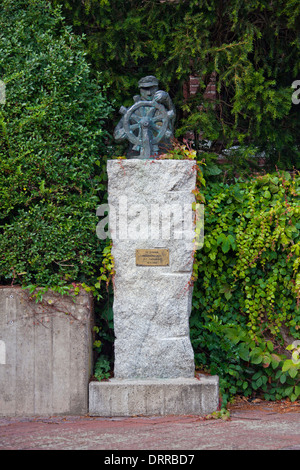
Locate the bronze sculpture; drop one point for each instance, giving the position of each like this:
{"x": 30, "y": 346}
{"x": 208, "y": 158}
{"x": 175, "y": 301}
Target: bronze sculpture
{"x": 148, "y": 124}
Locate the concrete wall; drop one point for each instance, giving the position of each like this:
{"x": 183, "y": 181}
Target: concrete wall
{"x": 45, "y": 353}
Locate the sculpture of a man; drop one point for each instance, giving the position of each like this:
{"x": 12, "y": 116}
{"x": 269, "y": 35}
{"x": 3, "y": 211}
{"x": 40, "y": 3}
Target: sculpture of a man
{"x": 148, "y": 125}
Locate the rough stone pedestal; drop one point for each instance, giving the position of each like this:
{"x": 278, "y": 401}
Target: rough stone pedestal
{"x": 150, "y": 208}
{"x": 154, "y": 397}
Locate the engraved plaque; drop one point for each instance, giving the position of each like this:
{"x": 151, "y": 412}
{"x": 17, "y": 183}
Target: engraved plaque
{"x": 152, "y": 257}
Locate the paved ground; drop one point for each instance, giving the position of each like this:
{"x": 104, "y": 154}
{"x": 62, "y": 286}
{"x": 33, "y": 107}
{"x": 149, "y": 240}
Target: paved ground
{"x": 260, "y": 426}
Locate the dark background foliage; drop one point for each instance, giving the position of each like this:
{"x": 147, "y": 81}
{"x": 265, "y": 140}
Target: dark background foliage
{"x": 252, "y": 48}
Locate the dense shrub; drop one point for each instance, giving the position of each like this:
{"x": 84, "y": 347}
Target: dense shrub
{"x": 51, "y": 137}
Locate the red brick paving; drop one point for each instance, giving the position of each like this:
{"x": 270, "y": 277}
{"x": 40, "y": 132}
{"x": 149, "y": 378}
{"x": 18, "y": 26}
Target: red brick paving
{"x": 249, "y": 428}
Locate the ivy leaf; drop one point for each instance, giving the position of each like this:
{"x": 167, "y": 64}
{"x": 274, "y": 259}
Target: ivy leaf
{"x": 267, "y": 194}
{"x": 226, "y": 245}
{"x": 220, "y": 239}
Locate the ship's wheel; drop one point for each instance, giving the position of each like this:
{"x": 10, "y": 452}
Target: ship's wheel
{"x": 145, "y": 125}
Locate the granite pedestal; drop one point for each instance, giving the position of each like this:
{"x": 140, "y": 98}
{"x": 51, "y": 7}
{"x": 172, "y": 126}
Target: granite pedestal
{"x": 152, "y": 226}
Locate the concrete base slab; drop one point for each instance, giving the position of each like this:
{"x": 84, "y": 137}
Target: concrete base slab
{"x": 154, "y": 397}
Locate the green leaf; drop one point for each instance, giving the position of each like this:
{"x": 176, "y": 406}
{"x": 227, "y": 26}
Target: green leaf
{"x": 259, "y": 382}
{"x": 220, "y": 238}
{"x": 287, "y": 365}
{"x": 243, "y": 351}
{"x": 257, "y": 375}
{"x": 283, "y": 378}
{"x": 293, "y": 371}
{"x": 256, "y": 359}
{"x": 288, "y": 391}
{"x": 226, "y": 245}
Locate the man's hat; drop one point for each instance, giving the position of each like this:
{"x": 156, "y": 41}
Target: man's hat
{"x": 148, "y": 81}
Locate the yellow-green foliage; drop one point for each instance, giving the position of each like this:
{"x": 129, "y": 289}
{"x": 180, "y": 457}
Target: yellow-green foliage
{"x": 246, "y": 299}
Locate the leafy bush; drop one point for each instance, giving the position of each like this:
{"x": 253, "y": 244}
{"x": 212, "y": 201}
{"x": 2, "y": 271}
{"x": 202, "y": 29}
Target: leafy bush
{"x": 246, "y": 298}
{"x": 52, "y": 134}
{"x": 102, "y": 368}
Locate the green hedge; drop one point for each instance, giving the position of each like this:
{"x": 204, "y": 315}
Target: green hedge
{"x": 52, "y": 176}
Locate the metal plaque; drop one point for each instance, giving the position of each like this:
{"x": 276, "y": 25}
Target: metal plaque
{"x": 152, "y": 257}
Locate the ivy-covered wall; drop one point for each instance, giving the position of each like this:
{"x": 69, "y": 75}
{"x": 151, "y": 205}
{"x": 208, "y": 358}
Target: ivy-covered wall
{"x": 246, "y": 301}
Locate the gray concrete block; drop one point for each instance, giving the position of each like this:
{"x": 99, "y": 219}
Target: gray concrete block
{"x": 47, "y": 360}
{"x": 154, "y": 397}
